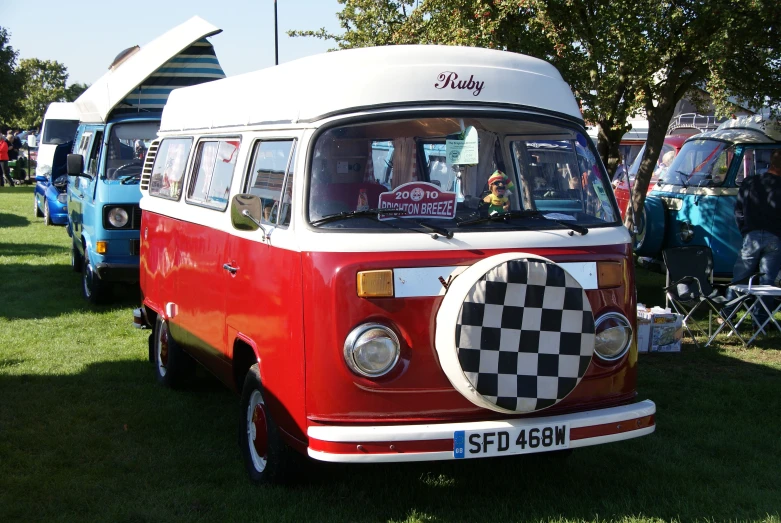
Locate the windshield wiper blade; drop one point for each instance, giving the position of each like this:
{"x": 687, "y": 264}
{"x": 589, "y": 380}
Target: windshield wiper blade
{"x": 447, "y": 233}
{"x": 684, "y": 178}
{"x": 344, "y": 215}
{"x": 130, "y": 178}
{"x": 525, "y": 214}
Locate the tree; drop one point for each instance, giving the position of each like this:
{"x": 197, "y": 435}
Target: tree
{"x": 9, "y": 85}
{"x": 619, "y": 56}
{"x": 42, "y": 82}
{"x": 73, "y": 91}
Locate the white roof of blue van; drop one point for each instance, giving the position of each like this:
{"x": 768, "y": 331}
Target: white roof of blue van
{"x": 97, "y": 102}
{"x": 62, "y": 111}
{"x": 352, "y": 80}
{"x": 745, "y": 129}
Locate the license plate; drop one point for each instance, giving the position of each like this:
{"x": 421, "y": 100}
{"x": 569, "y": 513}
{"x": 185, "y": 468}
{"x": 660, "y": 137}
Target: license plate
{"x": 505, "y": 442}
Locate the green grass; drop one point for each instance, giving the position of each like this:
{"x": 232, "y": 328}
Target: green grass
{"x": 87, "y": 435}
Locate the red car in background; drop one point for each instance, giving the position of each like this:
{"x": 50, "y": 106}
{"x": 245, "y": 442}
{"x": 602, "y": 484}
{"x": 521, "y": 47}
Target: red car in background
{"x": 672, "y": 144}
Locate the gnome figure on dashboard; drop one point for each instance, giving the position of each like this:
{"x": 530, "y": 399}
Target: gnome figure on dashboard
{"x": 500, "y": 186}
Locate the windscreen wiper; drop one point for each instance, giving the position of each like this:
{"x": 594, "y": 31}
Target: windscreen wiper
{"x": 344, "y": 215}
{"x": 684, "y": 178}
{"x": 130, "y": 178}
{"x": 433, "y": 228}
{"x": 510, "y": 215}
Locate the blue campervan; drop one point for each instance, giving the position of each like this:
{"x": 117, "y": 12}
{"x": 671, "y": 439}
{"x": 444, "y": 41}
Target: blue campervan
{"x": 693, "y": 203}
{"x": 119, "y": 117}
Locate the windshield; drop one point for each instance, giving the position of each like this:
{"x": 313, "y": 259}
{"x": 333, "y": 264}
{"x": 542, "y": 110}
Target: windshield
{"x": 666, "y": 158}
{"x": 127, "y": 147}
{"x": 700, "y": 163}
{"x": 59, "y": 131}
{"x": 448, "y": 171}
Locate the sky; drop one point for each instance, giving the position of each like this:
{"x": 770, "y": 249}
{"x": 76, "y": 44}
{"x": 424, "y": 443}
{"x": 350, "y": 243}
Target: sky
{"x": 86, "y": 35}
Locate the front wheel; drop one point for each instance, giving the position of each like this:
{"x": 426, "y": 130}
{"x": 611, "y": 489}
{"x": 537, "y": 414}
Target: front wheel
{"x": 93, "y": 288}
{"x": 36, "y": 210}
{"x": 267, "y": 458}
{"x": 47, "y": 218}
{"x": 173, "y": 366}
{"x": 77, "y": 260}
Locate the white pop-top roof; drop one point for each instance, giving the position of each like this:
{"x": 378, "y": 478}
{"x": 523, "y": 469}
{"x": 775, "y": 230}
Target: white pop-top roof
{"x": 61, "y": 111}
{"x": 769, "y": 127}
{"x": 311, "y": 88}
{"x": 97, "y": 102}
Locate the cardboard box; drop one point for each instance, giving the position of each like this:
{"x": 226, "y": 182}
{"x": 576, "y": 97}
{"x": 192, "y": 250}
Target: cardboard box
{"x": 644, "y": 331}
{"x": 666, "y": 332}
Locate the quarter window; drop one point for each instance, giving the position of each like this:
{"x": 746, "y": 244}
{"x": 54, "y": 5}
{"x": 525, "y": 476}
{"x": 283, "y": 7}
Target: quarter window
{"x": 272, "y": 169}
{"x": 168, "y": 170}
{"x": 213, "y": 167}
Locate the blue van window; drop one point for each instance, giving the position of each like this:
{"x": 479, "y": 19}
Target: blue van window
{"x": 168, "y": 170}
{"x": 127, "y": 145}
{"x": 700, "y": 163}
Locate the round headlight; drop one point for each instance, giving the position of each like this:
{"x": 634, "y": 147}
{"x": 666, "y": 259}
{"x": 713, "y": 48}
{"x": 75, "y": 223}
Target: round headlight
{"x": 371, "y": 350}
{"x": 117, "y": 217}
{"x": 613, "y": 336}
{"x": 62, "y": 198}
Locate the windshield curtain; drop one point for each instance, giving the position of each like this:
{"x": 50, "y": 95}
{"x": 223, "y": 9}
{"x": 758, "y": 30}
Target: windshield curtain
{"x": 127, "y": 147}
{"x": 699, "y": 163}
{"x": 414, "y": 166}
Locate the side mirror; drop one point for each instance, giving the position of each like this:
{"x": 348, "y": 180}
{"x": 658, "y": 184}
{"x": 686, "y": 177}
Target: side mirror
{"x": 32, "y": 141}
{"x": 75, "y": 165}
{"x": 41, "y": 178}
{"x": 246, "y": 212}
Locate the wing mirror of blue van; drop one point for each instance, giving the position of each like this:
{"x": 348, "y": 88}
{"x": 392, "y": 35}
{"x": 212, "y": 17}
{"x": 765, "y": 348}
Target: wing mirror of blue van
{"x": 246, "y": 213}
{"x": 75, "y": 165}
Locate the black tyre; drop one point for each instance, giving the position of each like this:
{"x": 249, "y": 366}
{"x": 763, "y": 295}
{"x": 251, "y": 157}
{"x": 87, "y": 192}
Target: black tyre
{"x": 267, "y": 458}
{"x": 173, "y": 366}
{"x": 650, "y": 226}
{"x": 77, "y": 260}
{"x": 95, "y": 290}
{"x": 36, "y": 209}
{"x": 47, "y": 219}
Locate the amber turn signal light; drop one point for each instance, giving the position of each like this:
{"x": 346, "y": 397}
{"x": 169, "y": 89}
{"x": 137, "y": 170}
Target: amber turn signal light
{"x": 101, "y": 247}
{"x": 375, "y": 284}
{"x": 610, "y": 274}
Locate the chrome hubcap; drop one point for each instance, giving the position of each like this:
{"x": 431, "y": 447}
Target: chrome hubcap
{"x": 257, "y": 431}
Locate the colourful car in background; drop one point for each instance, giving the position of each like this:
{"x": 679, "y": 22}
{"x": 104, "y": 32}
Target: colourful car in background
{"x": 693, "y": 203}
{"x": 672, "y": 144}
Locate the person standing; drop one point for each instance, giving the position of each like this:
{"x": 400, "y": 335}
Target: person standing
{"x": 4, "y": 170}
{"x": 758, "y": 214}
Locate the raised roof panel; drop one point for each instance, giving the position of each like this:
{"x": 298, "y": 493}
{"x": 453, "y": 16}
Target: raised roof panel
{"x": 142, "y": 81}
{"x": 315, "y": 87}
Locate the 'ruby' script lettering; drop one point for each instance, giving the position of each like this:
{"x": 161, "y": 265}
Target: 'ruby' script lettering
{"x": 450, "y": 79}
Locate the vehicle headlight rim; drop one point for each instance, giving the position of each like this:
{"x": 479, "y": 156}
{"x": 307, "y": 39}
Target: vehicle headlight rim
{"x": 350, "y": 348}
{"x": 112, "y": 217}
{"x": 621, "y": 319}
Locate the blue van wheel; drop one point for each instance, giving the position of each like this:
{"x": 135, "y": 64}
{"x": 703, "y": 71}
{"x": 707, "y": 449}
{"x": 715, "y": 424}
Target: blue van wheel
{"x": 650, "y": 228}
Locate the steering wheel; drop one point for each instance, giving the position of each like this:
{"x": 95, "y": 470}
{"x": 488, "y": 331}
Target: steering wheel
{"x": 121, "y": 170}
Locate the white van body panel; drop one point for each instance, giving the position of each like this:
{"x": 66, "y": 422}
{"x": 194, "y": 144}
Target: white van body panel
{"x": 56, "y": 111}
{"x": 315, "y": 87}
{"x": 99, "y": 100}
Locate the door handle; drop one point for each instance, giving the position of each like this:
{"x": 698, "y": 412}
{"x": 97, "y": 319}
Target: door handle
{"x": 230, "y": 268}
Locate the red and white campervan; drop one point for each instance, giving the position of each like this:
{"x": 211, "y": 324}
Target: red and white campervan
{"x": 323, "y": 237}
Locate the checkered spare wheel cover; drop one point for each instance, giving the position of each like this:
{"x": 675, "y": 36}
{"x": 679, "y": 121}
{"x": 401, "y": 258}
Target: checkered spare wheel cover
{"x": 524, "y": 335}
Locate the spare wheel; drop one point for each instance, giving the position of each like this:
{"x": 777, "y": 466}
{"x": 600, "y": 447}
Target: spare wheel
{"x": 515, "y": 333}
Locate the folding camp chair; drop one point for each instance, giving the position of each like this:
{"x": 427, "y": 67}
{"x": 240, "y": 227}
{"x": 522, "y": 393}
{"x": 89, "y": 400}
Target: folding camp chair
{"x": 690, "y": 285}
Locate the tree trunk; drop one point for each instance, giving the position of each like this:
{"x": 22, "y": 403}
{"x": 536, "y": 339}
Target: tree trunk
{"x": 607, "y": 145}
{"x": 658, "y": 121}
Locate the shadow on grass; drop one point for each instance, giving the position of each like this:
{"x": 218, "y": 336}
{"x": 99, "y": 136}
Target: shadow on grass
{"x": 13, "y": 220}
{"x": 44, "y": 291}
{"x": 31, "y": 249}
{"x": 110, "y": 441}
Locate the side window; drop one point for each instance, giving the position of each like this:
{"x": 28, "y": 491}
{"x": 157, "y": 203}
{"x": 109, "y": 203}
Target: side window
{"x": 169, "y": 166}
{"x": 84, "y": 142}
{"x": 271, "y": 162}
{"x": 94, "y": 155}
{"x": 755, "y": 161}
{"x": 213, "y": 168}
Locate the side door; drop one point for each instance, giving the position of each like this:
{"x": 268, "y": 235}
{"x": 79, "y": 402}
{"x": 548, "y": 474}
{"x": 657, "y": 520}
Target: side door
{"x": 201, "y": 241}
{"x": 264, "y": 299}
{"x": 77, "y": 186}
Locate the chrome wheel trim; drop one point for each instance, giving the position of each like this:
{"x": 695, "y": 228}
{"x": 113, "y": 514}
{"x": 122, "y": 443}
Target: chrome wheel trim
{"x": 257, "y": 431}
